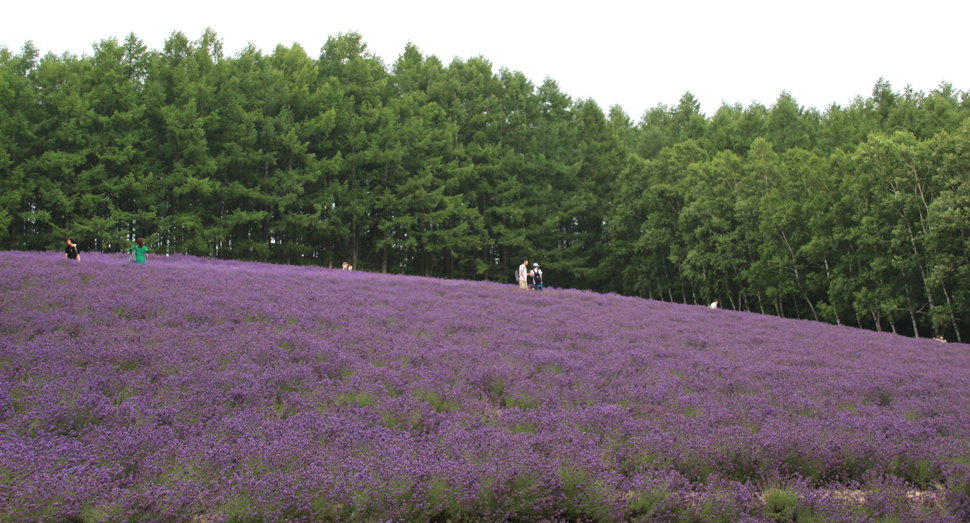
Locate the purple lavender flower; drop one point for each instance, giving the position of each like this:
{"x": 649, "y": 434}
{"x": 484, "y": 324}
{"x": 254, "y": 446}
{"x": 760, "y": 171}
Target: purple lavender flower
{"x": 194, "y": 389}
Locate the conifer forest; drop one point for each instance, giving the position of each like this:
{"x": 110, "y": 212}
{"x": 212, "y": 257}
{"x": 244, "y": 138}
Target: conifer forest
{"x": 855, "y": 214}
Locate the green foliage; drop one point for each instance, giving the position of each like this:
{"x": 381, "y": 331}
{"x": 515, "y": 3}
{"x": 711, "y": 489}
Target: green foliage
{"x": 437, "y": 402}
{"x": 645, "y": 505}
{"x": 584, "y": 498}
{"x": 522, "y": 401}
{"x": 780, "y": 504}
{"x": 356, "y": 399}
{"x": 856, "y": 214}
{"x": 823, "y": 217}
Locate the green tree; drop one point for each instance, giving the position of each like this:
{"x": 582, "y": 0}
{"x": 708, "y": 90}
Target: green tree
{"x": 790, "y": 125}
{"x": 359, "y": 78}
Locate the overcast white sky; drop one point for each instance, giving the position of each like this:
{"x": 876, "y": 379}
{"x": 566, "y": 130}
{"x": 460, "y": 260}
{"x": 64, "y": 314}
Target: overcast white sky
{"x": 635, "y": 54}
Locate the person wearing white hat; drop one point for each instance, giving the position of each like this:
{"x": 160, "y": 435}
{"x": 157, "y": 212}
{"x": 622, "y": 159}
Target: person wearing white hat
{"x": 536, "y": 275}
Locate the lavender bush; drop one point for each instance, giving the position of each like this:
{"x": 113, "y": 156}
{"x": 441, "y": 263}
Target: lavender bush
{"x": 200, "y": 390}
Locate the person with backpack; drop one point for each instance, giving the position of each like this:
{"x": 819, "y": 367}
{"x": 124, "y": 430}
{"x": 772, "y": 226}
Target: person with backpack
{"x": 536, "y": 274}
{"x": 138, "y": 251}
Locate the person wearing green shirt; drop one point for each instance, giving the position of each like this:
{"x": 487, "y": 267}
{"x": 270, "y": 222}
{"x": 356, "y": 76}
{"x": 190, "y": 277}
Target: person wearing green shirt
{"x": 139, "y": 250}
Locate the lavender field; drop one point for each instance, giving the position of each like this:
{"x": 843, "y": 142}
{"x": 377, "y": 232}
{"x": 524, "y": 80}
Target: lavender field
{"x": 200, "y": 390}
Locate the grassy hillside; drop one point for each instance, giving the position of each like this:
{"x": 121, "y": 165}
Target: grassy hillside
{"x": 198, "y": 390}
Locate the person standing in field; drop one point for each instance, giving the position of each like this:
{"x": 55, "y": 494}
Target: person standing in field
{"x": 536, "y": 274}
{"x": 139, "y": 250}
{"x": 714, "y": 305}
{"x": 71, "y": 251}
{"x": 524, "y": 275}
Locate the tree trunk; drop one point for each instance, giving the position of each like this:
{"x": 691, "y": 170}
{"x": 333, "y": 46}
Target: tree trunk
{"x": 384, "y": 255}
{"x": 811, "y": 306}
{"x": 353, "y": 242}
{"x": 952, "y": 317}
{"x": 922, "y": 270}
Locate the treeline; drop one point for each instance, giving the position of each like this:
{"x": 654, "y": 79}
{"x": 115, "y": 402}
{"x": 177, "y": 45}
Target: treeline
{"x": 854, "y": 215}
{"x": 859, "y": 215}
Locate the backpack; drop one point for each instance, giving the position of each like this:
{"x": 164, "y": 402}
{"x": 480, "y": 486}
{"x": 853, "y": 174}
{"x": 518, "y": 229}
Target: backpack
{"x": 537, "y": 276}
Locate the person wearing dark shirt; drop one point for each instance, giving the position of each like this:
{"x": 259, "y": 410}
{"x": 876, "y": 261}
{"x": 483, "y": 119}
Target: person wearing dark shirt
{"x": 536, "y": 275}
{"x": 71, "y": 251}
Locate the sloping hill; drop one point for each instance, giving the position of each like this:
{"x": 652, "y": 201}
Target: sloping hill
{"x": 203, "y": 390}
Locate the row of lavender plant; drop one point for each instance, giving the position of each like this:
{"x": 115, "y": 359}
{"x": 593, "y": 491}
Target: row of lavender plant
{"x": 208, "y": 390}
